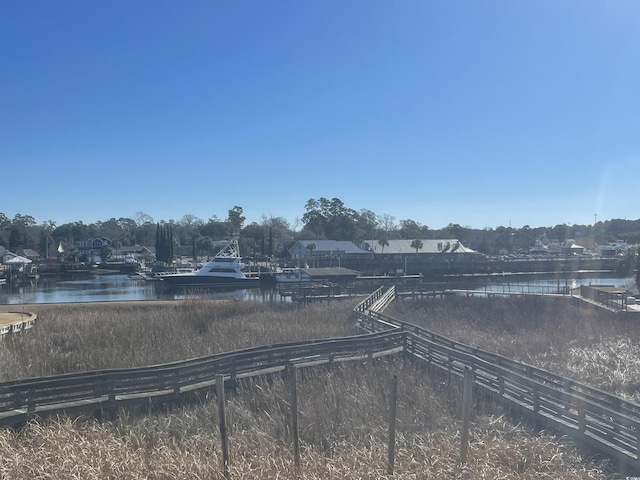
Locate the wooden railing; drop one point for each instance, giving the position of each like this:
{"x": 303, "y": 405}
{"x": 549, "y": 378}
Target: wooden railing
{"x": 590, "y": 416}
{"x": 106, "y": 389}
{"x": 27, "y": 321}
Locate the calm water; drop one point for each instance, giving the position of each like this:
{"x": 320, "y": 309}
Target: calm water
{"x": 121, "y": 288}
{"x": 111, "y": 288}
{"x": 555, "y": 285}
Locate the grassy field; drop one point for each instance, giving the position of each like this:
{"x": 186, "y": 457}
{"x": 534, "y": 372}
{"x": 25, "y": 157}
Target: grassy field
{"x": 593, "y": 346}
{"x": 342, "y": 411}
{"x": 73, "y": 339}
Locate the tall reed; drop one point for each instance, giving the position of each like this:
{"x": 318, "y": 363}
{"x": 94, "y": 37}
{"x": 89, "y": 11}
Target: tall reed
{"x": 67, "y": 339}
{"x": 593, "y": 346}
{"x": 342, "y": 410}
{"x": 343, "y": 427}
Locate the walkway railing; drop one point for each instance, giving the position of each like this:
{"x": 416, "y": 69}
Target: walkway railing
{"x": 105, "y": 390}
{"x": 603, "y": 421}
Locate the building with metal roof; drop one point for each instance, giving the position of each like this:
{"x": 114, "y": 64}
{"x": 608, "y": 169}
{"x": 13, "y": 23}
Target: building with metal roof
{"x": 429, "y": 246}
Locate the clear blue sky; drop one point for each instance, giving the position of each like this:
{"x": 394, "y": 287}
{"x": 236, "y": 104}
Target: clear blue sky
{"x": 481, "y": 113}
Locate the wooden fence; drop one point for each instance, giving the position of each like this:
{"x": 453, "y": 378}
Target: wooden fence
{"x": 591, "y": 417}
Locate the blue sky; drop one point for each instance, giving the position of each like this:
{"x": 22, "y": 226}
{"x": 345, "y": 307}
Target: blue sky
{"x": 482, "y": 113}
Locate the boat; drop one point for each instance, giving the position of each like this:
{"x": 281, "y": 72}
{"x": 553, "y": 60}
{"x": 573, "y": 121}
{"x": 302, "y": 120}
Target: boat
{"x": 292, "y": 275}
{"x": 316, "y": 275}
{"x": 157, "y": 276}
{"x": 223, "y": 271}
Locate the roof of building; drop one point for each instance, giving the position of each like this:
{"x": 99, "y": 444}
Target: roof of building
{"x": 27, "y": 252}
{"x": 450, "y": 245}
{"x": 335, "y": 246}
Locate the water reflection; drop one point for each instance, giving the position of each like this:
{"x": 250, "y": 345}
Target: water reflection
{"x": 554, "y": 285}
{"x": 111, "y": 288}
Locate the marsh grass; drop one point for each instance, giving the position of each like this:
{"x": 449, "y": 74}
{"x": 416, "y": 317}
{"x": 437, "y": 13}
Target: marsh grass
{"x": 342, "y": 410}
{"x": 68, "y": 339}
{"x": 592, "y": 346}
{"x": 343, "y": 430}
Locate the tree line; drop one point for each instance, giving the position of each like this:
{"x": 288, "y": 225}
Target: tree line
{"x": 323, "y": 218}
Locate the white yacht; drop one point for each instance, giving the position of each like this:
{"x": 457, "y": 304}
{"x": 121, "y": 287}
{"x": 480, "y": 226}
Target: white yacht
{"x": 223, "y": 271}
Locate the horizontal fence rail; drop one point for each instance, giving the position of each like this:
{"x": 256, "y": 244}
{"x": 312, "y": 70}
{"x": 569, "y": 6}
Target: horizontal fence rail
{"x": 108, "y": 388}
{"x": 591, "y": 416}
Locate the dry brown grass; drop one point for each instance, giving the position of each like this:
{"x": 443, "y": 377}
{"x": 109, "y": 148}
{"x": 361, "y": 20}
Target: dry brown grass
{"x": 71, "y": 340}
{"x": 342, "y": 411}
{"x": 343, "y": 415}
{"x": 592, "y": 346}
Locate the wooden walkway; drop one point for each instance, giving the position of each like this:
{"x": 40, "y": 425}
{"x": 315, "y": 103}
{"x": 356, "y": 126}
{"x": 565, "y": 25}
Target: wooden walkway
{"x": 591, "y": 417}
{"x": 633, "y": 308}
{"x": 14, "y": 322}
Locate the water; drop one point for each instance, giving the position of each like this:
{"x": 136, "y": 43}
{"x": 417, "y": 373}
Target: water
{"x": 554, "y": 285}
{"x": 113, "y": 288}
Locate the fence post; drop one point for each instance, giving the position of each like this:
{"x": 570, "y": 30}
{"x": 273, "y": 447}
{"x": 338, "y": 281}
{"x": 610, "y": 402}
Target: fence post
{"x": 223, "y": 423}
{"x": 293, "y": 374}
{"x": 31, "y": 403}
{"x": 392, "y": 424}
{"x": 582, "y": 421}
{"x": 176, "y": 383}
{"x": 111, "y": 382}
{"x": 467, "y": 398}
{"x": 637, "y": 441}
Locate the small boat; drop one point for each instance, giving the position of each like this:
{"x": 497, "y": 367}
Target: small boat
{"x": 292, "y": 275}
{"x": 223, "y": 271}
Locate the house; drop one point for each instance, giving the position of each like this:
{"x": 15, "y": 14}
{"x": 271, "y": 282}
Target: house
{"x": 6, "y": 255}
{"x": 613, "y": 249}
{"x": 325, "y": 249}
{"x": 132, "y": 254}
{"x": 92, "y": 248}
{"x": 29, "y": 253}
{"x": 572, "y": 248}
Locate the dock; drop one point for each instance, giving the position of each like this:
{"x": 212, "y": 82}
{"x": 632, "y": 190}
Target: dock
{"x": 608, "y": 298}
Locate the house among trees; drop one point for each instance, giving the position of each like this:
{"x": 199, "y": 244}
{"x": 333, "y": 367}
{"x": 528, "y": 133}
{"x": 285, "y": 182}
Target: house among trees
{"x": 132, "y": 254}
{"x": 29, "y": 253}
{"x": 92, "y": 249}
